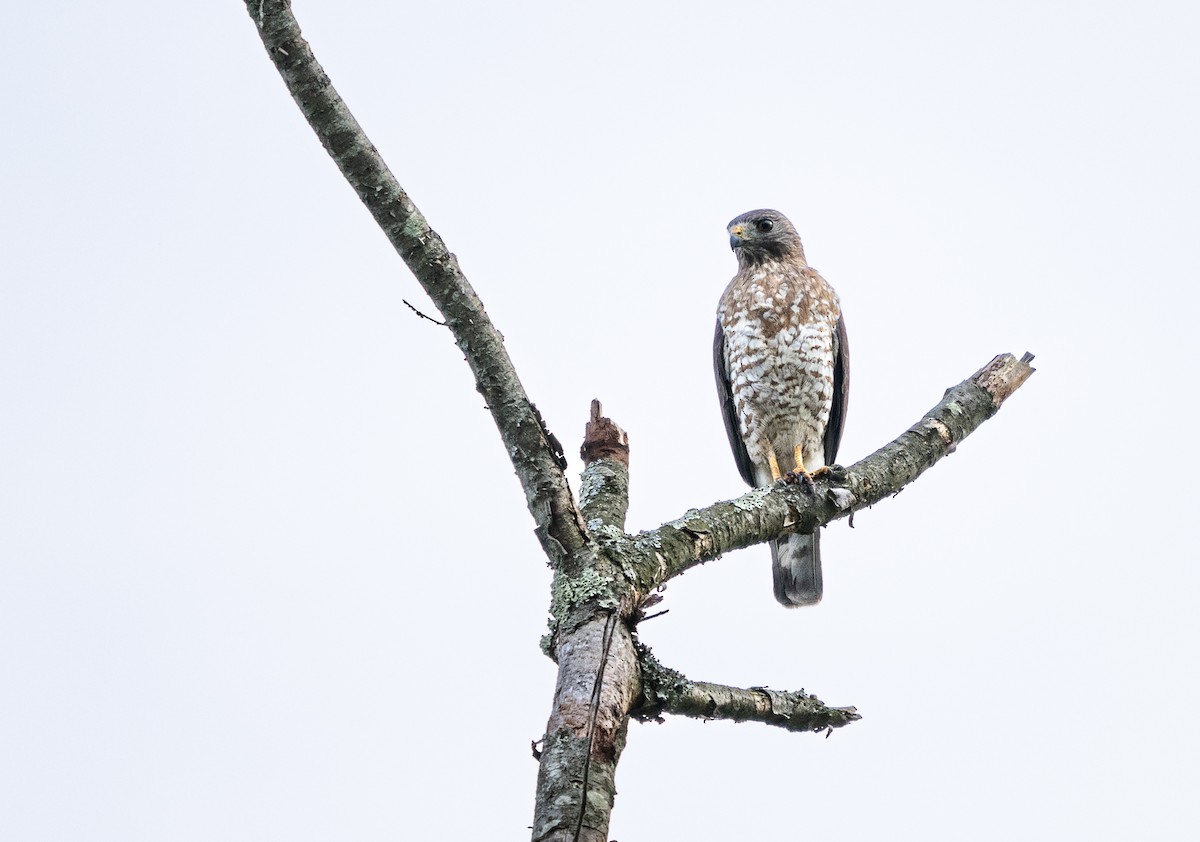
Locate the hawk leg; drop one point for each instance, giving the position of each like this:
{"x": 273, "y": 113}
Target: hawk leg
{"x": 773, "y": 464}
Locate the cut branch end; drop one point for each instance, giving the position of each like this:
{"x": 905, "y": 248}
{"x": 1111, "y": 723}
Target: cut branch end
{"x": 602, "y": 439}
{"x": 1003, "y": 376}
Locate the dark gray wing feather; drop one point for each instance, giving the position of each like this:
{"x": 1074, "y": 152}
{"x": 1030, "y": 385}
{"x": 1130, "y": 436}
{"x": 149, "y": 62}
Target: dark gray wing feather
{"x": 841, "y": 392}
{"x": 728, "y": 410}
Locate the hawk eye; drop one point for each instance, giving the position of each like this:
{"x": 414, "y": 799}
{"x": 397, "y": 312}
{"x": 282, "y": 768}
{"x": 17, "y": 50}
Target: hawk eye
{"x": 764, "y": 225}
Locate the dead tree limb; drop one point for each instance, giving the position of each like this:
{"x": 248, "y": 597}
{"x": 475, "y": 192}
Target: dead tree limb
{"x": 604, "y": 578}
{"x": 539, "y": 467}
{"x": 763, "y": 514}
{"x": 666, "y": 690}
{"x": 589, "y": 640}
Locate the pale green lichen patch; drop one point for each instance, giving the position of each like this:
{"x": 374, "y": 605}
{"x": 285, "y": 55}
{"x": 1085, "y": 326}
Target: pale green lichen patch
{"x": 692, "y": 521}
{"x": 646, "y": 541}
{"x": 415, "y": 226}
{"x": 590, "y": 485}
{"x": 622, "y": 552}
{"x": 607, "y": 533}
{"x": 567, "y": 592}
{"x": 755, "y": 499}
{"x": 613, "y": 541}
{"x": 595, "y": 477}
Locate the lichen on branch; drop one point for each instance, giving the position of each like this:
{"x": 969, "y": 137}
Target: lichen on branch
{"x": 604, "y": 578}
{"x": 765, "y": 514}
{"x": 533, "y": 450}
{"x": 665, "y": 690}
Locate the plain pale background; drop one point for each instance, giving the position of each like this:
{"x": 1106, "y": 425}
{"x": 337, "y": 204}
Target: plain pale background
{"x": 266, "y": 572}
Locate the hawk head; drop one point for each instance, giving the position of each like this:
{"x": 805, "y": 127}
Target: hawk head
{"x": 761, "y": 235}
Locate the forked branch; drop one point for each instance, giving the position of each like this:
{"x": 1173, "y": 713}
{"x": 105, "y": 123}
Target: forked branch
{"x": 603, "y": 577}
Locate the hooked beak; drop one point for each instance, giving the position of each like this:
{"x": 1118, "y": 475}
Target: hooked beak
{"x": 735, "y": 237}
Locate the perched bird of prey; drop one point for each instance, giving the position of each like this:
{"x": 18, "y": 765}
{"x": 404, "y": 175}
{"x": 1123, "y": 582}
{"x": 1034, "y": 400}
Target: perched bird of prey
{"x": 783, "y": 376}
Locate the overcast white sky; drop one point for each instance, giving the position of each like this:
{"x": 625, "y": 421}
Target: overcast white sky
{"x": 265, "y": 572}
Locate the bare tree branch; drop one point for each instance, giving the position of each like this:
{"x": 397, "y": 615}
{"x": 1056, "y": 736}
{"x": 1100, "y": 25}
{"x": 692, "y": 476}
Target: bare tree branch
{"x": 791, "y": 711}
{"x": 603, "y": 579}
{"x": 668, "y": 691}
{"x": 598, "y": 676}
{"x": 604, "y": 490}
{"x": 764, "y": 514}
{"x": 437, "y": 270}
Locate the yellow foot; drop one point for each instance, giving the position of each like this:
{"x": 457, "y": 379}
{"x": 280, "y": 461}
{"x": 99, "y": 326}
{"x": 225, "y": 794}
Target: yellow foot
{"x": 800, "y": 478}
{"x": 798, "y": 474}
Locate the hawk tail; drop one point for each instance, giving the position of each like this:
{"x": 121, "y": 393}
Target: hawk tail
{"x": 796, "y": 565}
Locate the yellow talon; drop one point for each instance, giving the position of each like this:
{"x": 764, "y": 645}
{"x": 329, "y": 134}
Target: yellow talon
{"x": 773, "y": 464}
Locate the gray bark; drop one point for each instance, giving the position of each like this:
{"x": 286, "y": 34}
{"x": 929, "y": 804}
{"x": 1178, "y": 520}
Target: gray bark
{"x": 763, "y": 514}
{"x": 535, "y": 456}
{"x": 604, "y": 579}
{"x": 665, "y": 690}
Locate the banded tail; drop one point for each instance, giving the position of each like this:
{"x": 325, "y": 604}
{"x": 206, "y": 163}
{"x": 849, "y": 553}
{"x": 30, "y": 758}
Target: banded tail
{"x": 796, "y": 566}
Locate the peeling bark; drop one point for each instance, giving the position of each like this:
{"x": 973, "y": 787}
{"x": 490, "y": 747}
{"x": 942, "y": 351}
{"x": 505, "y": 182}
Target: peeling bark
{"x": 603, "y": 578}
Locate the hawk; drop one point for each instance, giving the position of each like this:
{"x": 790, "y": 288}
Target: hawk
{"x": 783, "y": 372}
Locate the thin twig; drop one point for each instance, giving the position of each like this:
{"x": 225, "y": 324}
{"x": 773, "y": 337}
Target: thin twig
{"x": 422, "y": 315}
